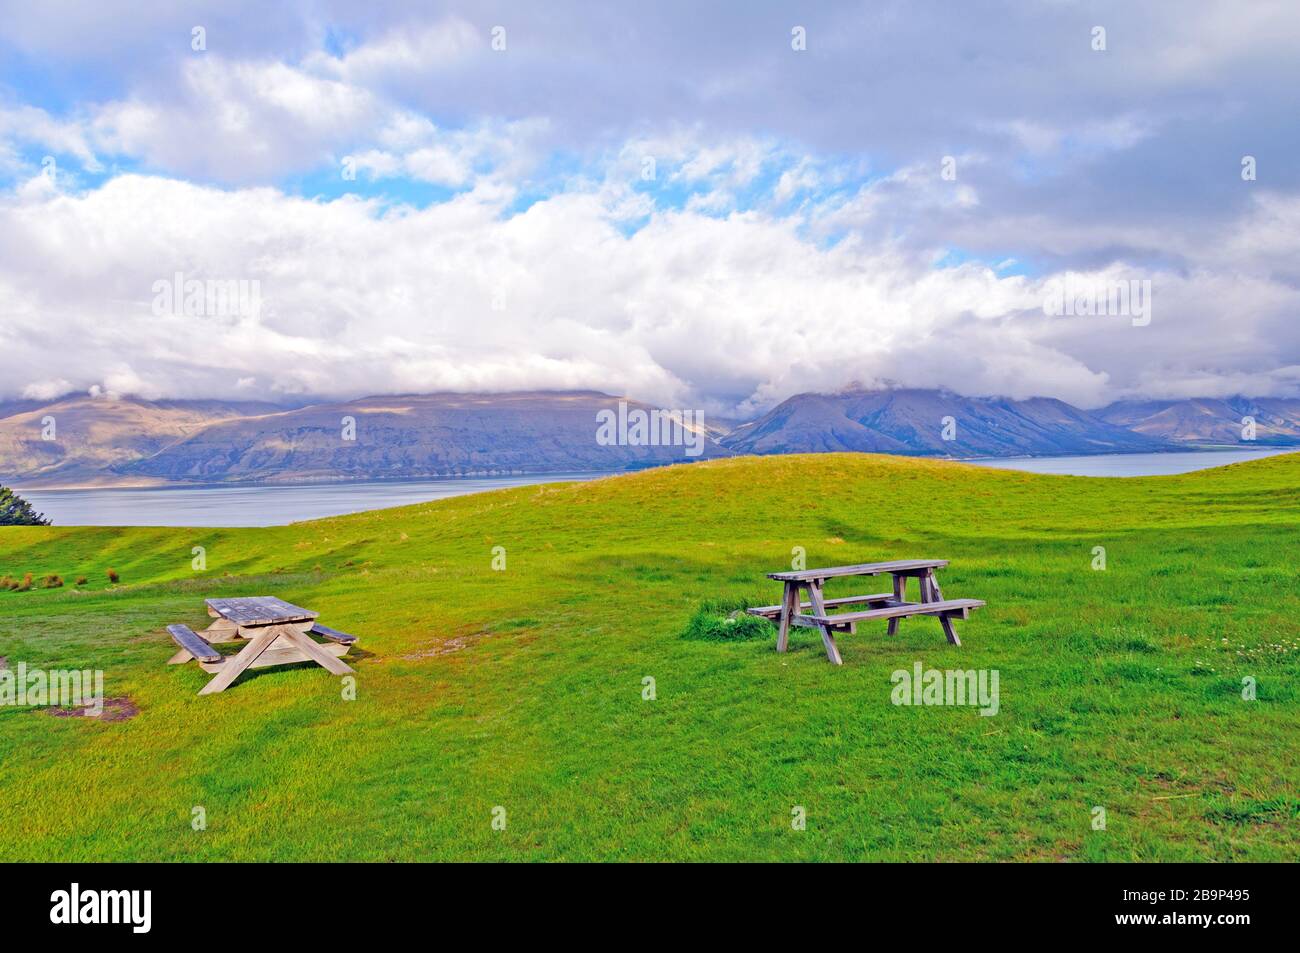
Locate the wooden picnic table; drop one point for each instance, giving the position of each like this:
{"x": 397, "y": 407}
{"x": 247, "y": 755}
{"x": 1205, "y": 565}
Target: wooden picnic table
{"x": 276, "y": 632}
{"x": 892, "y": 606}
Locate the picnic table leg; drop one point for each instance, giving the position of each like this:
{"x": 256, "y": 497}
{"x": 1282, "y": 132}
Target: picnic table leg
{"x": 946, "y": 621}
{"x": 900, "y": 593}
{"x": 314, "y": 652}
{"x": 819, "y": 608}
{"x": 789, "y": 606}
{"x": 936, "y": 595}
{"x": 232, "y": 668}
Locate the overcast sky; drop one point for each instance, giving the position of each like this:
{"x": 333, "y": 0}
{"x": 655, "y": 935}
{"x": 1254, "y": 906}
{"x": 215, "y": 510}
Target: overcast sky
{"x": 666, "y": 200}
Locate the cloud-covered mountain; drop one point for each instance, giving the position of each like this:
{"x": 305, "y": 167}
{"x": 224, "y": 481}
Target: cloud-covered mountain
{"x": 91, "y": 437}
{"x": 914, "y": 422}
{"x": 135, "y": 442}
{"x": 434, "y": 435}
{"x": 1210, "y": 421}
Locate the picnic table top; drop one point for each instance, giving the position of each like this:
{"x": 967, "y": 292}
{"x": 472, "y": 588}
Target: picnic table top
{"x": 259, "y": 610}
{"x": 862, "y": 569}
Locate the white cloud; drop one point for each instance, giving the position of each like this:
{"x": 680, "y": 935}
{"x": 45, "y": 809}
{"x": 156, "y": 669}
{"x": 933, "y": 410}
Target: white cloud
{"x": 238, "y": 121}
{"x": 803, "y": 177}
{"x": 1109, "y": 134}
{"x": 691, "y": 310}
{"x": 404, "y": 51}
{"x": 418, "y": 150}
{"x": 47, "y": 389}
{"x": 31, "y": 126}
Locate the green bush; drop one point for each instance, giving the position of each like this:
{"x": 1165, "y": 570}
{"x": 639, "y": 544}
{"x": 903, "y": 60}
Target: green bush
{"x": 726, "y": 621}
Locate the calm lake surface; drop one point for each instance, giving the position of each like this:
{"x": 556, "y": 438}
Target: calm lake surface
{"x": 258, "y": 505}
{"x": 277, "y": 505}
{"x": 1131, "y": 464}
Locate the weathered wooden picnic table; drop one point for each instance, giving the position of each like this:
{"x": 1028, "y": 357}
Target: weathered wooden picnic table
{"x": 892, "y": 606}
{"x": 277, "y": 633}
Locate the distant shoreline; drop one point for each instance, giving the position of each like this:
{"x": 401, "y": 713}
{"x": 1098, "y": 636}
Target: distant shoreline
{"x": 137, "y": 484}
{"x": 304, "y": 483}
{"x": 1191, "y": 448}
{"x": 538, "y": 475}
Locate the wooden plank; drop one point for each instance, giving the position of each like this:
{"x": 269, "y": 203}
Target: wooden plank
{"x": 248, "y": 631}
{"x": 334, "y": 635}
{"x": 232, "y": 668}
{"x": 194, "y": 646}
{"x": 316, "y": 652}
{"x": 840, "y": 621}
{"x": 953, "y": 606}
{"x": 808, "y": 621}
{"x": 811, "y": 622}
{"x": 259, "y": 610}
{"x": 862, "y": 569}
{"x": 281, "y": 654}
{"x": 819, "y": 607}
{"x": 268, "y": 610}
{"x": 772, "y": 612}
{"x": 220, "y": 631}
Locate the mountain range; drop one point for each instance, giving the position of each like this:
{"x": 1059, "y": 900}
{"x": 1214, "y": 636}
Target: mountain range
{"x": 1210, "y": 420}
{"x": 933, "y": 423}
{"x": 132, "y": 442}
{"x": 128, "y": 441}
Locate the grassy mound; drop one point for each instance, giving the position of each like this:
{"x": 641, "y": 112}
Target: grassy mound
{"x": 726, "y": 621}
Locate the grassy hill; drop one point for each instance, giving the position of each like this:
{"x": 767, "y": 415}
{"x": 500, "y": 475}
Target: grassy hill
{"x": 523, "y": 688}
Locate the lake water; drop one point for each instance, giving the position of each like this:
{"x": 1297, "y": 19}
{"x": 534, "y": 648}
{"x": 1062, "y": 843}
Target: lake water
{"x": 257, "y": 505}
{"x": 277, "y": 505}
{"x": 1131, "y": 464}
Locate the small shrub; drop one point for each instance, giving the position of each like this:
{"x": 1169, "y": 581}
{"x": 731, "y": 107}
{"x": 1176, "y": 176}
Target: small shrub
{"x": 726, "y": 621}
{"x": 53, "y": 582}
{"x": 7, "y": 582}
{"x": 81, "y": 581}
{"x": 112, "y": 575}
{"x": 25, "y": 585}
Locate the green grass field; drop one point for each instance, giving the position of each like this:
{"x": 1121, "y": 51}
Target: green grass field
{"x": 522, "y": 688}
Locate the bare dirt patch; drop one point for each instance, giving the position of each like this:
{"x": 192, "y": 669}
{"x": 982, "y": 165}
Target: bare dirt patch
{"x": 115, "y": 709}
{"x": 448, "y": 646}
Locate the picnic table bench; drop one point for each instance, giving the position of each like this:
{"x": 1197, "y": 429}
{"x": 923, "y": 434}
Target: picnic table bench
{"x": 276, "y": 632}
{"x": 892, "y": 606}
